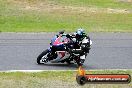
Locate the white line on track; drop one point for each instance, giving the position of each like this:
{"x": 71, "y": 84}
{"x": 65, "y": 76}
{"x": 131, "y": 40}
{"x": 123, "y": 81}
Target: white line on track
{"x": 7, "y": 71}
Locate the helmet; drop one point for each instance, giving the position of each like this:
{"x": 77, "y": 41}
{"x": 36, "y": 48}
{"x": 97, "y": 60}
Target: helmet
{"x": 80, "y": 34}
{"x": 80, "y": 31}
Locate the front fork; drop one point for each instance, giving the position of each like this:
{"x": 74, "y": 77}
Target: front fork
{"x": 52, "y": 55}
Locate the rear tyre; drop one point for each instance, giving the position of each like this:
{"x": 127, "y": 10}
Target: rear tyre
{"x": 42, "y": 58}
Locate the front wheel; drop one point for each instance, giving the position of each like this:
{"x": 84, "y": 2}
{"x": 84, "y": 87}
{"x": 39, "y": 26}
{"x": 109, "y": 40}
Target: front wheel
{"x": 42, "y": 58}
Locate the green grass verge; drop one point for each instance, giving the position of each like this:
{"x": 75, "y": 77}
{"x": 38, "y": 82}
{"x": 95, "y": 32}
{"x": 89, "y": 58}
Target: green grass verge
{"x": 52, "y": 15}
{"x": 98, "y": 3}
{"x": 55, "y": 79}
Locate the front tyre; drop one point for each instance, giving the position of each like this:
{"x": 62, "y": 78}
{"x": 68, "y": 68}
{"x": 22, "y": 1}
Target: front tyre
{"x": 42, "y": 58}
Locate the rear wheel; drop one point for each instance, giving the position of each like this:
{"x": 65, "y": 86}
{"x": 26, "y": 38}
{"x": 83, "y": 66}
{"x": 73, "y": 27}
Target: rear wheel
{"x": 42, "y": 58}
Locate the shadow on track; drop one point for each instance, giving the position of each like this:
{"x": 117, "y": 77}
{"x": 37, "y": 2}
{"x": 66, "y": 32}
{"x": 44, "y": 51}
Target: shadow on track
{"x": 67, "y": 66}
{"x": 60, "y": 65}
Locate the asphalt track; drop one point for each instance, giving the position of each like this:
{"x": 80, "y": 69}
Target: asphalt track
{"x": 18, "y": 51}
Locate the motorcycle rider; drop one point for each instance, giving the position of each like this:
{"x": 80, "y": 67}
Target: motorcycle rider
{"x": 77, "y": 38}
{"x": 82, "y": 39}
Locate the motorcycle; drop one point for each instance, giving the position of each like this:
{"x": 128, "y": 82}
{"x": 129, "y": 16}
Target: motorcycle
{"x": 66, "y": 48}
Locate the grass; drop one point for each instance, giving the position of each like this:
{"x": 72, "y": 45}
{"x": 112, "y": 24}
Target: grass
{"x": 54, "y": 15}
{"x": 98, "y": 3}
{"x": 54, "y": 79}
